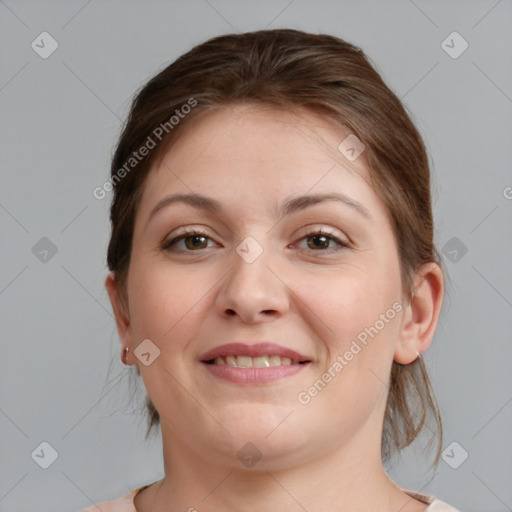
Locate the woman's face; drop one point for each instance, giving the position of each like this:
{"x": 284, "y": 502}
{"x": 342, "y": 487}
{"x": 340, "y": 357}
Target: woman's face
{"x": 256, "y": 273}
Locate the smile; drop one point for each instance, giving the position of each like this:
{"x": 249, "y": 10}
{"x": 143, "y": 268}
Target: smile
{"x": 254, "y": 362}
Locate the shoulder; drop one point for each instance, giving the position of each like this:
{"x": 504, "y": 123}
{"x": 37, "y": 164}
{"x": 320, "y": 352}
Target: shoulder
{"x": 121, "y": 504}
{"x": 434, "y": 505}
{"x": 440, "y": 506}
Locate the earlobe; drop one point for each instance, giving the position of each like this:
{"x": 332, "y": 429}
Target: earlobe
{"x": 421, "y": 315}
{"x": 121, "y": 315}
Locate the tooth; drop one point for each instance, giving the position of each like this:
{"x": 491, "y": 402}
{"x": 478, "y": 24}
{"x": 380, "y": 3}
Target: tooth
{"x": 231, "y": 361}
{"x": 253, "y": 362}
{"x": 275, "y": 360}
{"x": 244, "y": 361}
{"x": 261, "y": 362}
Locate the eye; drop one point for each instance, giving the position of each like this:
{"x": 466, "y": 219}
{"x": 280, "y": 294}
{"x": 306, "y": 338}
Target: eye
{"x": 319, "y": 241}
{"x": 193, "y": 240}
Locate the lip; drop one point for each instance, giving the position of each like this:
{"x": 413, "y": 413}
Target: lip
{"x": 253, "y": 375}
{"x": 254, "y": 350}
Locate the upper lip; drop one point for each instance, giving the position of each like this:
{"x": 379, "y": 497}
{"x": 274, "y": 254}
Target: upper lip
{"x": 252, "y": 350}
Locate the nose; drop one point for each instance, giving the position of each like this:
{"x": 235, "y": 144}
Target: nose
{"x": 253, "y": 291}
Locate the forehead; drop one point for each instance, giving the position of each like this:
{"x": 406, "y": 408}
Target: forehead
{"x": 261, "y": 153}
{"x": 244, "y": 130}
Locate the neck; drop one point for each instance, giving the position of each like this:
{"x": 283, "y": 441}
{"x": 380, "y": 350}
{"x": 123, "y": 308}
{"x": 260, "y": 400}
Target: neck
{"x": 345, "y": 479}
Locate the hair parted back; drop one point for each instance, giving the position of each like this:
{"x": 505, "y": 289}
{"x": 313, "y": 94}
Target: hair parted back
{"x": 293, "y": 70}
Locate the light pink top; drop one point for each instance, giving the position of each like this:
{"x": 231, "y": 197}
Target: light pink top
{"x": 125, "y": 503}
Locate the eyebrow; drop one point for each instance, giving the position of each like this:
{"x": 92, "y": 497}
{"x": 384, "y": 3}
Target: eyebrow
{"x": 290, "y": 206}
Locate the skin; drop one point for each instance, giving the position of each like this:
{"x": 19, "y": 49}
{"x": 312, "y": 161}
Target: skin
{"x": 324, "y": 455}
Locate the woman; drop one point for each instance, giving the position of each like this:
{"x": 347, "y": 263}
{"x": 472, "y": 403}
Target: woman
{"x": 274, "y": 277}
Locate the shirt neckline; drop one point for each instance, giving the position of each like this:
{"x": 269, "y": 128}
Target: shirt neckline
{"x": 424, "y": 498}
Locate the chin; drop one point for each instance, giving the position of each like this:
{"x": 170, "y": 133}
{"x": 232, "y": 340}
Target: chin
{"x": 273, "y": 437}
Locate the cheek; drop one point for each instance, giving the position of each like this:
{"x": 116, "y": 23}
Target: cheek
{"x": 154, "y": 303}
{"x": 165, "y": 301}
{"x": 347, "y": 303}
{"x": 166, "y": 306}
{"x": 359, "y": 326}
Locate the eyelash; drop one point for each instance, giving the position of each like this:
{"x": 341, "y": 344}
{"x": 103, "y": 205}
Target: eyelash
{"x": 186, "y": 233}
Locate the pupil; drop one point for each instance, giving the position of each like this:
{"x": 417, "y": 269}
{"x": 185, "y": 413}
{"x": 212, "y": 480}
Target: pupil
{"x": 323, "y": 241}
{"x": 195, "y": 241}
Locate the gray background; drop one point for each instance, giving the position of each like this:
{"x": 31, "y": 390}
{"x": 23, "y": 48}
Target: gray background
{"x": 61, "y": 379}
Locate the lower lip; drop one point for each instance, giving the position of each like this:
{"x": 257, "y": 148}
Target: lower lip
{"x": 253, "y": 375}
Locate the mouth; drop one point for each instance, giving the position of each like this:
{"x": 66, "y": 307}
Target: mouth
{"x": 265, "y": 361}
{"x": 252, "y": 364}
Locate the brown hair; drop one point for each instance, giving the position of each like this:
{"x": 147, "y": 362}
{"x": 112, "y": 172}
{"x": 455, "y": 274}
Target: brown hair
{"x": 290, "y": 69}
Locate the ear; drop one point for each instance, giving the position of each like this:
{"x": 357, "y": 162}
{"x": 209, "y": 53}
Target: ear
{"x": 421, "y": 314}
{"x": 121, "y": 314}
